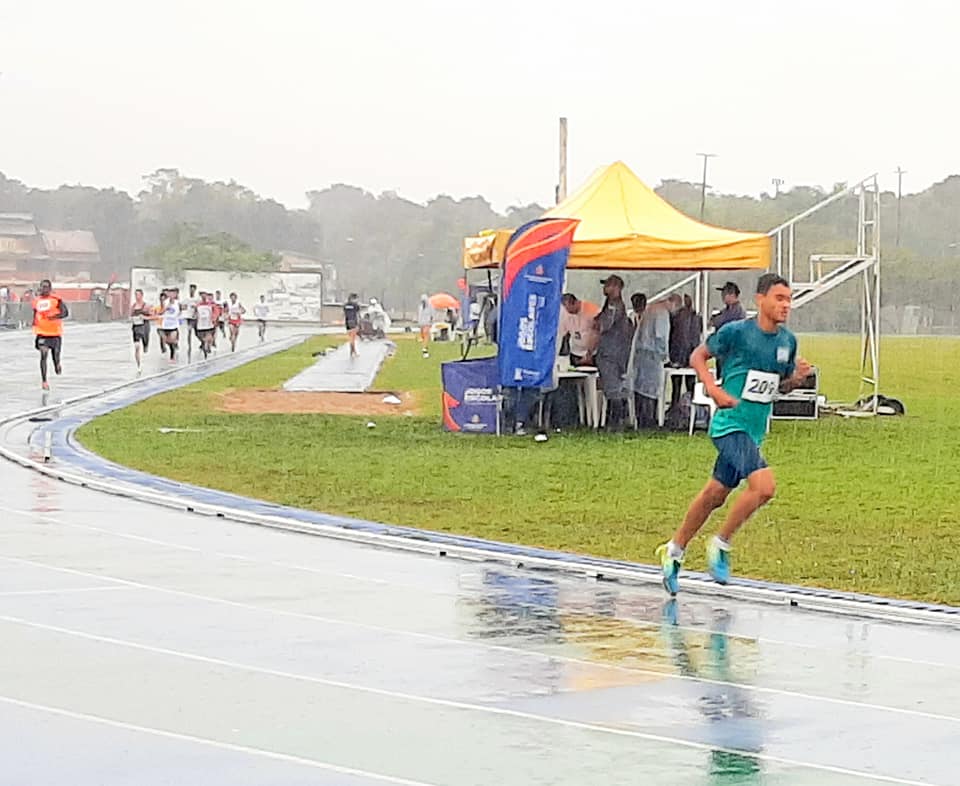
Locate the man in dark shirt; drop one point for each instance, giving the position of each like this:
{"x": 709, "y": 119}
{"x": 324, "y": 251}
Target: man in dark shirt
{"x": 732, "y": 309}
{"x": 684, "y": 338}
{"x": 732, "y": 312}
{"x": 613, "y": 351}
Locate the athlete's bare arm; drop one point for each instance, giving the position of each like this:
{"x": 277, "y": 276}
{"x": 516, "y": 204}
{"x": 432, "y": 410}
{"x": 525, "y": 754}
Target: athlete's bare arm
{"x": 801, "y": 372}
{"x": 698, "y": 362}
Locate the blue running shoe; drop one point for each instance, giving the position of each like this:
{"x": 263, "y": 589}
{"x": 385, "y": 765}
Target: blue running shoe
{"x": 718, "y": 562}
{"x": 671, "y": 570}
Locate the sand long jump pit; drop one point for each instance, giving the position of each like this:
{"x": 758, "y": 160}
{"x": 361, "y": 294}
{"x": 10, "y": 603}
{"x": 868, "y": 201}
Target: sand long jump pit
{"x": 281, "y": 402}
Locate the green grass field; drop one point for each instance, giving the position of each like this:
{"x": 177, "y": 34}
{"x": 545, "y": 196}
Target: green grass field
{"x": 865, "y": 505}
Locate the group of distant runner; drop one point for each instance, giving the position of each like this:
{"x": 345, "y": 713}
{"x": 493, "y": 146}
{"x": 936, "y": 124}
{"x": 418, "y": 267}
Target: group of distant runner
{"x": 204, "y": 313}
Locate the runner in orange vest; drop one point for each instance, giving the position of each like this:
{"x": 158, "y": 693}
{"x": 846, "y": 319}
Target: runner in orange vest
{"x": 49, "y": 311}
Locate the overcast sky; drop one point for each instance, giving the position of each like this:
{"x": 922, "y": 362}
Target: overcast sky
{"x": 463, "y": 98}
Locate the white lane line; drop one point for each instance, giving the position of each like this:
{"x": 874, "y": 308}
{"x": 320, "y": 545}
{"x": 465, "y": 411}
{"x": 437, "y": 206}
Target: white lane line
{"x": 825, "y": 648}
{"x": 198, "y": 550}
{"x": 454, "y": 704}
{"x": 65, "y": 591}
{"x": 228, "y": 746}
{"x": 491, "y": 647}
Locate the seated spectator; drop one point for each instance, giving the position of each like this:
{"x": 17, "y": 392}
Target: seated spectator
{"x": 578, "y": 321}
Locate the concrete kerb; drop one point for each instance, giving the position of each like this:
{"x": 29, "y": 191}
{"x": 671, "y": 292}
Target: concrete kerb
{"x": 439, "y": 544}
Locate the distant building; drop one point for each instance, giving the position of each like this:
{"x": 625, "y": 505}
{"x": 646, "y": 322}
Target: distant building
{"x": 29, "y": 254}
{"x": 20, "y": 243}
{"x": 73, "y": 253}
{"x": 294, "y": 262}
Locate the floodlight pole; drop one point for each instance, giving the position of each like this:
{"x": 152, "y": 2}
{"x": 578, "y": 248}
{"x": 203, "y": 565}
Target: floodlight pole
{"x": 777, "y": 182}
{"x": 900, "y": 173}
{"x": 703, "y": 183}
{"x": 562, "y": 182}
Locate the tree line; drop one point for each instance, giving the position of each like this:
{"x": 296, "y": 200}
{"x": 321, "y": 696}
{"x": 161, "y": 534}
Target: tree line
{"x": 392, "y": 248}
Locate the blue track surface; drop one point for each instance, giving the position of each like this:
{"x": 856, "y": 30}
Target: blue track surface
{"x": 147, "y": 645}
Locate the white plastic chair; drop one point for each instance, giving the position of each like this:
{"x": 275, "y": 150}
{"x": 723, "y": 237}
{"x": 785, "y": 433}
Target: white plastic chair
{"x": 700, "y": 399}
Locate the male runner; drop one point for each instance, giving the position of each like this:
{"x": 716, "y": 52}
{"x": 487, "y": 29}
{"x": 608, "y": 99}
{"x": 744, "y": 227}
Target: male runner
{"x": 157, "y": 312}
{"x": 235, "y": 312}
{"x": 222, "y": 316}
{"x": 139, "y": 315}
{"x": 49, "y": 311}
{"x": 261, "y": 311}
{"x": 208, "y": 313}
{"x": 190, "y": 313}
{"x": 759, "y": 359}
{"x": 351, "y": 320}
{"x": 170, "y": 323}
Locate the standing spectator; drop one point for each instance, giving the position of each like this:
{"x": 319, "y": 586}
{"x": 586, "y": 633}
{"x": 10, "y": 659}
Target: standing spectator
{"x": 425, "y": 321}
{"x": 684, "y": 338}
{"x": 26, "y": 308}
{"x": 379, "y": 320}
{"x": 474, "y": 315}
{"x": 613, "y": 350}
{"x": 639, "y": 302}
{"x": 732, "y": 312}
{"x": 13, "y": 309}
{"x": 651, "y": 351}
{"x": 491, "y": 319}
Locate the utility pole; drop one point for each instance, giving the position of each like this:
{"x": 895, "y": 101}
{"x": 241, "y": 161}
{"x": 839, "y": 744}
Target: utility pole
{"x": 777, "y": 182}
{"x": 703, "y": 184}
{"x": 900, "y": 173}
{"x": 562, "y": 182}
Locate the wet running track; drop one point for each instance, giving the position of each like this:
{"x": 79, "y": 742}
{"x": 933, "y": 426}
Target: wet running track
{"x": 143, "y": 645}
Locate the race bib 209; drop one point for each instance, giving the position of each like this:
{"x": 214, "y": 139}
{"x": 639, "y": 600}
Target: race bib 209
{"x": 760, "y": 387}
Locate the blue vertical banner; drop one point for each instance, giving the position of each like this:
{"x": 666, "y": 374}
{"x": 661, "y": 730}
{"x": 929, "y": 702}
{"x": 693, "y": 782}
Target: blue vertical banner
{"x": 531, "y": 288}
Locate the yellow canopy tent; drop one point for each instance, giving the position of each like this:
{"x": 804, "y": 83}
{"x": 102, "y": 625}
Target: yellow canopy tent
{"x": 624, "y": 225}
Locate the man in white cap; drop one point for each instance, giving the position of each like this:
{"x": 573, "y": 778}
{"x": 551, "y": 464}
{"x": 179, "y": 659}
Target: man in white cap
{"x": 378, "y": 318}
